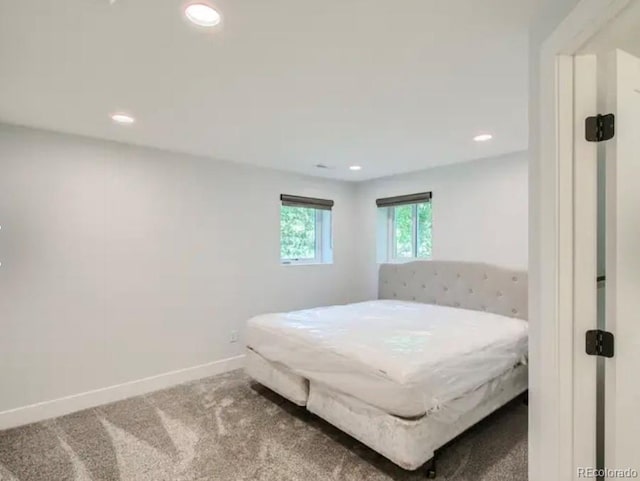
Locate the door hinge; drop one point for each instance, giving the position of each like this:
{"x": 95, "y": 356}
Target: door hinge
{"x": 600, "y": 127}
{"x": 599, "y": 343}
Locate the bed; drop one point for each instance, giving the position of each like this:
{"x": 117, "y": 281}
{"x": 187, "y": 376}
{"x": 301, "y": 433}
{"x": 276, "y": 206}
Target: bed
{"x": 444, "y": 345}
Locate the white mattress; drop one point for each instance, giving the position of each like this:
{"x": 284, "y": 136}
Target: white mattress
{"x": 404, "y": 358}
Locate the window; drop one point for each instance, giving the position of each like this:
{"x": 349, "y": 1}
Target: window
{"x": 305, "y": 230}
{"x": 405, "y": 227}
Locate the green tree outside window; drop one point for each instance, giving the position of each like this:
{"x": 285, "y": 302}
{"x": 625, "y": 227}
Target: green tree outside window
{"x": 412, "y": 231}
{"x": 297, "y": 233}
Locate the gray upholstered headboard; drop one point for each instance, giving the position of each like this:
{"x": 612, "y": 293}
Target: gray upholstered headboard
{"x": 469, "y": 285}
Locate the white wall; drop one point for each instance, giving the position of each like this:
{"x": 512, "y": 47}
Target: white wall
{"x": 479, "y": 212}
{"x": 120, "y": 263}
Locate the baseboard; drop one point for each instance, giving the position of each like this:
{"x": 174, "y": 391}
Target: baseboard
{"x": 77, "y": 402}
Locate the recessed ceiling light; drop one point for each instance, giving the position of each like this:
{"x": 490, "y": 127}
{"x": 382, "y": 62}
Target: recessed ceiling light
{"x": 124, "y": 119}
{"x": 202, "y": 15}
{"x": 483, "y": 137}
{"x": 355, "y": 167}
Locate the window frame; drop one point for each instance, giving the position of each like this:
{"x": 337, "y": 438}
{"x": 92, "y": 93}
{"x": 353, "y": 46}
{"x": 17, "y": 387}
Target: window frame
{"x": 323, "y": 240}
{"x": 392, "y": 247}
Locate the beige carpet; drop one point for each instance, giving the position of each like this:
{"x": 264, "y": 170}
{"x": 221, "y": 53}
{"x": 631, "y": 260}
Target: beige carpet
{"x": 226, "y": 428}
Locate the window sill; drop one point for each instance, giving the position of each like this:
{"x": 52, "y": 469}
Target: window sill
{"x": 305, "y": 263}
{"x": 404, "y": 261}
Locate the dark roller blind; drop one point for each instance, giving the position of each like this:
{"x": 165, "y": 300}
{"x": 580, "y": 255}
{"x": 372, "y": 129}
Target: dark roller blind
{"x": 309, "y": 202}
{"x": 404, "y": 199}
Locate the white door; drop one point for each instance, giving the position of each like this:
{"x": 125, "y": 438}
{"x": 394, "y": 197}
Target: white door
{"x": 622, "y": 315}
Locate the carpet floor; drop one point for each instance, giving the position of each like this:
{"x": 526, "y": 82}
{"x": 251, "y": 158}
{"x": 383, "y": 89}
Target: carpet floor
{"x": 226, "y": 428}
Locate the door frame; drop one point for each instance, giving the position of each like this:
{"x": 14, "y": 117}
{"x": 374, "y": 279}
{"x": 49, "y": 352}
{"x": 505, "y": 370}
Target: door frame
{"x": 557, "y": 443}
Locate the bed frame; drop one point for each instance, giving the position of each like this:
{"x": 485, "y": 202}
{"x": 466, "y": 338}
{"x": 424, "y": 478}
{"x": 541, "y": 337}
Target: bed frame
{"x": 412, "y": 443}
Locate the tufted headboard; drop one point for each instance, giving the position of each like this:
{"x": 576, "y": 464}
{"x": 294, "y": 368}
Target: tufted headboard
{"x": 469, "y": 285}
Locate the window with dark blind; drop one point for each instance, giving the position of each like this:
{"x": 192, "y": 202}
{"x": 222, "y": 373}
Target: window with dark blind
{"x": 305, "y": 230}
{"x": 408, "y": 220}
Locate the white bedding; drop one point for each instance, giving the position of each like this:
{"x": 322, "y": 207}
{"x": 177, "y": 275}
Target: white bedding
{"x": 405, "y": 358}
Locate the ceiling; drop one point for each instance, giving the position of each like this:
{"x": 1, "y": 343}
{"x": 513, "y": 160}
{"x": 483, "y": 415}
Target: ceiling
{"x": 393, "y": 86}
{"x": 621, "y": 33}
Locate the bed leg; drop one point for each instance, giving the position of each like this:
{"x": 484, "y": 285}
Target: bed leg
{"x": 430, "y": 468}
